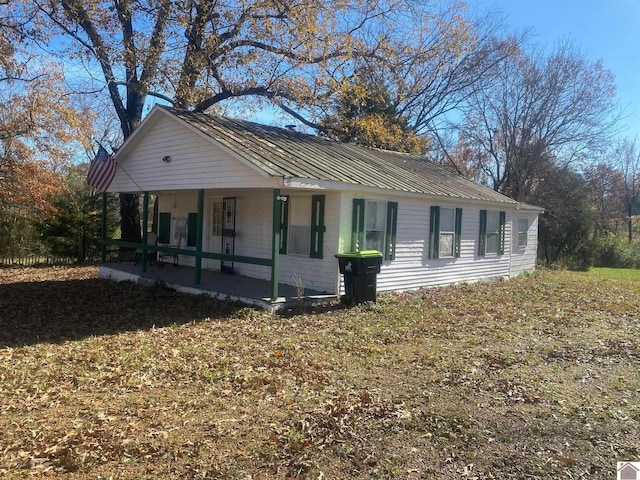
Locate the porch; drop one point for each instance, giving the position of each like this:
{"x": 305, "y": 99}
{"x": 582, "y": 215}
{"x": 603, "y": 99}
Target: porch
{"x": 223, "y": 286}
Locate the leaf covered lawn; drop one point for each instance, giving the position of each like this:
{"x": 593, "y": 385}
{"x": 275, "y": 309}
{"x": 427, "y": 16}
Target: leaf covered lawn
{"x": 537, "y": 377}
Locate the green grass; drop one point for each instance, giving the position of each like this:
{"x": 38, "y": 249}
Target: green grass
{"x": 617, "y": 274}
{"x": 532, "y": 378}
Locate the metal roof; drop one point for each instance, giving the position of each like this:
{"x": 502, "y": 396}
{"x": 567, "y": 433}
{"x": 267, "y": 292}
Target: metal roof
{"x": 286, "y": 153}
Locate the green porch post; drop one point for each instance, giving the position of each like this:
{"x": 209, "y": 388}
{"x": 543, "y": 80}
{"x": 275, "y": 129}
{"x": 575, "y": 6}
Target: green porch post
{"x": 145, "y": 221}
{"x": 275, "y": 244}
{"x": 103, "y": 252}
{"x": 199, "y": 236}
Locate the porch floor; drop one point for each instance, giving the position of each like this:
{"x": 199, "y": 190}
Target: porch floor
{"x": 252, "y": 291}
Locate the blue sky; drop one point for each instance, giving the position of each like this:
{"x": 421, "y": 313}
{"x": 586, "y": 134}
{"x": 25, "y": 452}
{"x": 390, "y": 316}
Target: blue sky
{"x": 607, "y": 30}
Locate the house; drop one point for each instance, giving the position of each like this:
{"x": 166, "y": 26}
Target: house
{"x": 263, "y": 202}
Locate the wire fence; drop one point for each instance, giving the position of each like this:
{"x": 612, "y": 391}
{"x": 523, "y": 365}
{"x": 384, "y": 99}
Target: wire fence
{"x": 36, "y": 260}
{"x": 114, "y": 255}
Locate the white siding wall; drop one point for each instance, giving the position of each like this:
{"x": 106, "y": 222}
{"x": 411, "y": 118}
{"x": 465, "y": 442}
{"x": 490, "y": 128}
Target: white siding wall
{"x": 317, "y": 273}
{"x": 412, "y": 268}
{"x": 195, "y": 163}
{"x": 253, "y": 236}
{"x": 524, "y": 259}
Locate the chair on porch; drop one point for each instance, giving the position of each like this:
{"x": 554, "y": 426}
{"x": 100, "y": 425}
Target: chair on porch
{"x": 152, "y": 239}
{"x": 163, "y": 256}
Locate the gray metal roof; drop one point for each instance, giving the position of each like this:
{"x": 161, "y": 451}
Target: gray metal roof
{"x": 285, "y": 153}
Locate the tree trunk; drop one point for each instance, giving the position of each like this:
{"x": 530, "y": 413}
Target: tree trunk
{"x": 130, "y": 217}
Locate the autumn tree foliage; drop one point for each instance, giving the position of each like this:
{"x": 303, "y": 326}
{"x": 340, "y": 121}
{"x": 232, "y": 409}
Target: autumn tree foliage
{"x": 295, "y": 54}
{"x": 431, "y": 66}
{"x": 39, "y": 132}
{"x": 365, "y": 114}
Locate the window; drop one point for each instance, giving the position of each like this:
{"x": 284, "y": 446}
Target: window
{"x": 216, "y": 219}
{"x": 375, "y": 223}
{"x": 299, "y": 226}
{"x": 445, "y": 230}
{"x": 492, "y": 232}
{"x": 374, "y": 227}
{"x": 179, "y": 230}
{"x": 523, "y": 230}
{"x": 302, "y": 225}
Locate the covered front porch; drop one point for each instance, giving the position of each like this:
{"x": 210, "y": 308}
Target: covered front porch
{"x": 145, "y": 249}
{"x": 220, "y": 285}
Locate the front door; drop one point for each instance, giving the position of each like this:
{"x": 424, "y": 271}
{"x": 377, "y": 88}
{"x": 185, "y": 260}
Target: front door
{"x": 214, "y": 232}
{"x": 228, "y": 231}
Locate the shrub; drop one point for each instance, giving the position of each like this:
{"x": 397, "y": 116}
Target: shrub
{"x": 616, "y": 252}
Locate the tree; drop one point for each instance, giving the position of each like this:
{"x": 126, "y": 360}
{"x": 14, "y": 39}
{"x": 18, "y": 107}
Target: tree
{"x": 432, "y": 64}
{"x": 197, "y": 53}
{"x": 74, "y": 228}
{"x": 565, "y": 227}
{"x": 295, "y": 54}
{"x": 628, "y": 160}
{"x": 535, "y": 106}
{"x": 365, "y": 114}
{"x": 40, "y": 130}
{"x": 606, "y": 190}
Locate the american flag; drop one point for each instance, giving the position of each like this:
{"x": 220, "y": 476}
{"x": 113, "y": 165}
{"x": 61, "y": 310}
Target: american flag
{"x": 101, "y": 171}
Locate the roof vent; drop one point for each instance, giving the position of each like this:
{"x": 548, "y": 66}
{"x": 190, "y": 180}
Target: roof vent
{"x": 290, "y": 127}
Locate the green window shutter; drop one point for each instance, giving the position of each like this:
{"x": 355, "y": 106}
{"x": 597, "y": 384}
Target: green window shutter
{"x": 192, "y": 229}
{"x": 164, "y": 228}
{"x": 482, "y": 244}
{"x": 456, "y": 248}
{"x": 434, "y": 232}
{"x": 392, "y": 225}
{"x": 284, "y": 222}
{"x": 357, "y": 225}
{"x": 317, "y": 226}
{"x": 501, "y": 232}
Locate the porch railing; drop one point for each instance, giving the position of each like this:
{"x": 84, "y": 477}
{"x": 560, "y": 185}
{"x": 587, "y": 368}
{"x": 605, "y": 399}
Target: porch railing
{"x": 146, "y": 248}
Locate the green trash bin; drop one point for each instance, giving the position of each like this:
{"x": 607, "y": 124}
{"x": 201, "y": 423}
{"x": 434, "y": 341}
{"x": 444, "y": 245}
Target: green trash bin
{"x": 360, "y": 271}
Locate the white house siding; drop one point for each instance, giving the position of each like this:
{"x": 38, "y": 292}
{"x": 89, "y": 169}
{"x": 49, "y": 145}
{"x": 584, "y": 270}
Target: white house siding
{"x": 524, "y": 259}
{"x": 316, "y": 273}
{"x": 195, "y": 163}
{"x": 254, "y": 231}
{"x": 412, "y": 268}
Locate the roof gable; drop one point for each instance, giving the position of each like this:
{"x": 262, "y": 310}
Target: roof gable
{"x": 289, "y": 154}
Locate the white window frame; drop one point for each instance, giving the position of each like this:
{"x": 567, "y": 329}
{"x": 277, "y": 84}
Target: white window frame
{"x": 445, "y": 233}
{"x": 492, "y": 234}
{"x": 299, "y": 221}
{"x": 370, "y": 206}
{"x": 179, "y": 224}
{"x": 523, "y": 233}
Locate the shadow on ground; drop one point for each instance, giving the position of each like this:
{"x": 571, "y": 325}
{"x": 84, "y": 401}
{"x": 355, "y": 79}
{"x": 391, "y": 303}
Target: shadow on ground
{"x": 55, "y": 311}
{"x": 49, "y": 311}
